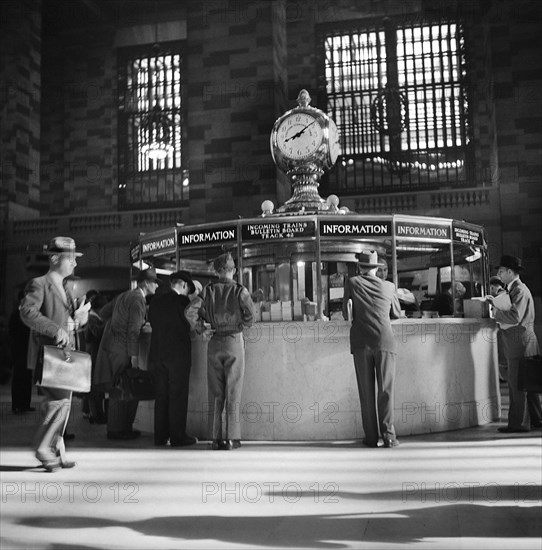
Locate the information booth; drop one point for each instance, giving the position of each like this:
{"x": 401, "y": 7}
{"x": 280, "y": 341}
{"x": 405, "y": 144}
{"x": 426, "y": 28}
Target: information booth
{"x": 300, "y": 381}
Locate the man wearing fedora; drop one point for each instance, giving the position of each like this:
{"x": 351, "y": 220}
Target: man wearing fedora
{"x": 519, "y": 340}
{"x": 119, "y": 349}
{"x": 170, "y": 358}
{"x": 50, "y": 312}
{"x": 373, "y": 346}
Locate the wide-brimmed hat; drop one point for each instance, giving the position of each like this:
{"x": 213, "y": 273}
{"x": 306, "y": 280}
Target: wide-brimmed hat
{"x": 147, "y": 275}
{"x": 511, "y": 262}
{"x": 183, "y": 276}
{"x": 368, "y": 258}
{"x": 224, "y": 262}
{"x": 62, "y": 245}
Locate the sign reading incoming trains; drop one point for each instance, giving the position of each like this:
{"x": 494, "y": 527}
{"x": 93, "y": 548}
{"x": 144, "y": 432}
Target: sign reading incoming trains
{"x": 278, "y": 230}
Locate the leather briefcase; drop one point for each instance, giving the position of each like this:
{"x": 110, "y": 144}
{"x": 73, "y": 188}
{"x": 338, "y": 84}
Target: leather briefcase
{"x": 65, "y": 369}
{"x": 530, "y": 374}
{"x": 136, "y": 385}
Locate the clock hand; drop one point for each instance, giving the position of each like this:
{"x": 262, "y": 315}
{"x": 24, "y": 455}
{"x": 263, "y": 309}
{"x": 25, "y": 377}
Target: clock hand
{"x": 300, "y": 132}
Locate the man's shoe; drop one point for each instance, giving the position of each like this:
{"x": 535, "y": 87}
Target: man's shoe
{"x": 68, "y": 464}
{"x": 218, "y": 445}
{"x": 367, "y": 444}
{"x": 507, "y": 430}
{"x": 185, "y": 442}
{"x": 389, "y": 443}
{"x": 232, "y": 444}
{"x": 51, "y": 465}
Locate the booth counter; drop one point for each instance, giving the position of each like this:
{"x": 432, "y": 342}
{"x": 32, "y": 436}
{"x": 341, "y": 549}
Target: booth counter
{"x": 300, "y": 381}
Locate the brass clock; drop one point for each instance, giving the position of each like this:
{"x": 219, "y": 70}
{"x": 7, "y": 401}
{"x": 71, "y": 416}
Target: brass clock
{"x": 304, "y": 138}
{"x": 304, "y": 143}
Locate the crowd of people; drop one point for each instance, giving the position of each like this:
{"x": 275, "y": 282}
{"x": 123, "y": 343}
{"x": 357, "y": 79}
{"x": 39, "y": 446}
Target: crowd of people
{"x": 48, "y": 314}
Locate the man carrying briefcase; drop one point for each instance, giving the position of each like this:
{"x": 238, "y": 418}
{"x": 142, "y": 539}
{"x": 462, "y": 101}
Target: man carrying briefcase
{"x": 50, "y": 312}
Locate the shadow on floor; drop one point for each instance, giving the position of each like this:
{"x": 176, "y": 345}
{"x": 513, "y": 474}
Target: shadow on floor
{"x": 313, "y": 531}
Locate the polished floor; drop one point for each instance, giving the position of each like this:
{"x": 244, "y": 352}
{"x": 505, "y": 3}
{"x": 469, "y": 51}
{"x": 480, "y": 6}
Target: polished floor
{"x": 468, "y": 489}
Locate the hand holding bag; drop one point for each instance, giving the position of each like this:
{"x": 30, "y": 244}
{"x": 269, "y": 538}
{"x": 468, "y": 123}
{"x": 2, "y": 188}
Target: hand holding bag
{"x": 65, "y": 369}
{"x": 530, "y": 374}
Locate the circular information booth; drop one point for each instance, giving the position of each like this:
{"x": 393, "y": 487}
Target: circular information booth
{"x": 300, "y": 381}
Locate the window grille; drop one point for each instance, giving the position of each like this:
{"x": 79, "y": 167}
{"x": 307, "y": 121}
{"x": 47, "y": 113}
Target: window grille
{"x": 398, "y": 94}
{"x": 151, "y": 107}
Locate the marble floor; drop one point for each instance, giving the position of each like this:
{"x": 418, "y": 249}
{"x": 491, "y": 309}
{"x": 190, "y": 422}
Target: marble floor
{"x": 467, "y": 489}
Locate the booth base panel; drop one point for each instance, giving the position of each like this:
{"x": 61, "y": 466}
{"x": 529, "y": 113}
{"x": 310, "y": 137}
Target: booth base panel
{"x": 300, "y": 383}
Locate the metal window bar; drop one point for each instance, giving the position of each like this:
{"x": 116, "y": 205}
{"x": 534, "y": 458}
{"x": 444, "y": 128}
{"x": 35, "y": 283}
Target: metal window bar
{"x": 150, "y": 83}
{"x": 426, "y": 63}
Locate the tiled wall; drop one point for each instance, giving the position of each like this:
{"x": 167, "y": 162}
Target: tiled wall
{"x": 20, "y": 99}
{"x": 79, "y": 124}
{"x": 233, "y": 89}
{"x": 517, "y": 70}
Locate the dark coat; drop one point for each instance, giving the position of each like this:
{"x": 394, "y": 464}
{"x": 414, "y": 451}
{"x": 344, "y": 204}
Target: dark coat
{"x": 170, "y": 337}
{"x": 120, "y": 339}
{"x": 373, "y": 301}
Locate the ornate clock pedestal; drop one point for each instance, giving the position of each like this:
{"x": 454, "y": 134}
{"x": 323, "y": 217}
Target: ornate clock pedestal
{"x": 305, "y": 195}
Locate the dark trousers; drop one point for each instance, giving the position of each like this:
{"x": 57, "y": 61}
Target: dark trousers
{"x": 376, "y": 366}
{"x": 518, "y": 412}
{"x": 225, "y": 374}
{"x": 48, "y": 441}
{"x": 121, "y": 415}
{"x": 171, "y": 404}
{"x": 21, "y": 386}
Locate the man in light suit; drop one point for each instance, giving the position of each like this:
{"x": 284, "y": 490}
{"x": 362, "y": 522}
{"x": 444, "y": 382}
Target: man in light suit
{"x": 170, "y": 358}
{"x": 519, "y": 340}
{"x": 49, "y": 310}
{"x": 119, "y": 349}
{"x": 373, "y": 346}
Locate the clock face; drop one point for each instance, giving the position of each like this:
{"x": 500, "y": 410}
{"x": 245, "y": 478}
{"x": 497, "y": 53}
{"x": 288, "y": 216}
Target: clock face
{"x": 299, "y": 135}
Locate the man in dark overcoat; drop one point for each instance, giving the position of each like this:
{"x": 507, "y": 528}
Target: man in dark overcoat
{"x": 170, "y": 358}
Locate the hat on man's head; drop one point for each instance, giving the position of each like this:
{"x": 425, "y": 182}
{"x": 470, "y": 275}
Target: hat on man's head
{"x": 183, "y": 276}
{"x": 62, "y": 245}
{"x": 224, "y": 262}
{"x": 511, "y": 262}
{"x": 368, "y": 258}
{"x": 496, "y": 281}
{"x": 147, "y": 275}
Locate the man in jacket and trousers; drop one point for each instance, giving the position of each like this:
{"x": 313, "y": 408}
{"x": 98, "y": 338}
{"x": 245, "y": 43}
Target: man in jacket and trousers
{"x": 373, "y": 346}
{"x": 227, "y": 306}
{"x": 519, "y": 340}
{"x": 50, "y": 312}
{"x": 119, "y": 350}
{"x": 170, "y": 359}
